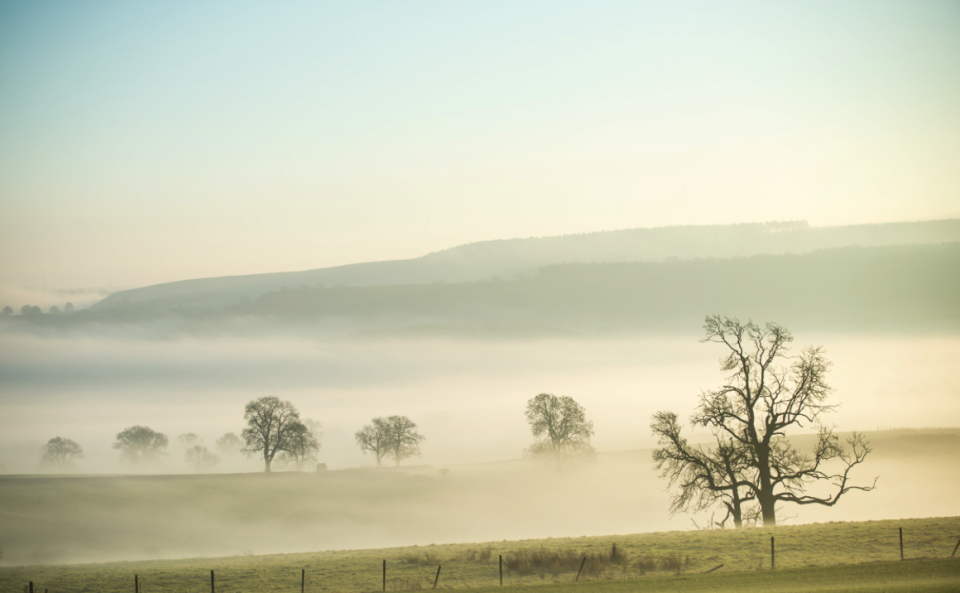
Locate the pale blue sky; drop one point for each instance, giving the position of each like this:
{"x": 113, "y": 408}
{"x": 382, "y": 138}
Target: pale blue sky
{"x": 148, "y": 142}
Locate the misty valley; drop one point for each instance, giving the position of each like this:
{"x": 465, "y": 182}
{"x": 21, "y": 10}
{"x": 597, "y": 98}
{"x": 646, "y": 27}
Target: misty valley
{"x": 573, "y": 398}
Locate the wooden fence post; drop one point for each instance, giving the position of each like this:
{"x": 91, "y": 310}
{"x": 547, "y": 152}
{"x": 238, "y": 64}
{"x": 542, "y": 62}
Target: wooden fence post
{"x": 773, "y": 555}
{"x": 136, "y": 583}
{"x": 303, "y": 580}
{"x": 31, "y": 586}
{"x": 901, "y": 543}
{"x": 384, "y": 575}
{"x": 501, "y": 571}
{"x": 438, "y": 576}
{"x": 955, "y": 549}
{"x": 581, "y": 569}
{"x": 213, "y": 584}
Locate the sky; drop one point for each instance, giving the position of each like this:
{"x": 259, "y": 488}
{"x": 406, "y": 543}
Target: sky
{"x": 150, "y": 142}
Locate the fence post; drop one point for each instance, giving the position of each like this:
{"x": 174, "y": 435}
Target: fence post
{"x": 31, "y": 586}
{"x": 955, "y": 549}
{"x": 773, "y": 555}
{"x": 213, "y": 586}
{"x": 136, "y": 583}
{"x": 438, "y": 576}
{"x": 901, "y": 543}
{"x": 384, "y": 575}
{"x": 303, "y": 580}
{"x": 501, "y": 571}
{"x": 581, "y": 569}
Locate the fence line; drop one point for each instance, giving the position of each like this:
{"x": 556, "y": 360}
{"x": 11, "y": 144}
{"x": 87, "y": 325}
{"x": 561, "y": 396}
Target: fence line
{"x": 303, "y": 572}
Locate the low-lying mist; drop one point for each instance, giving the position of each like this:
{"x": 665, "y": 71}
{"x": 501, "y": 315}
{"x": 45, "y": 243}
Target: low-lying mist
{"x": 468, "y": 399}
{"x": 83, "y": 519}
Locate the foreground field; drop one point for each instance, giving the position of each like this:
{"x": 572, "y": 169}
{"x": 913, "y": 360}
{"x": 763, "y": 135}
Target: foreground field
{"x": 809, "y": 557}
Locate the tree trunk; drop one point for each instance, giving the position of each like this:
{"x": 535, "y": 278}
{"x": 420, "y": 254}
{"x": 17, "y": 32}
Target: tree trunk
{"x": 765, "y": 495}
{"x": 266, "y": 462}
{"x": 735, "y": 510}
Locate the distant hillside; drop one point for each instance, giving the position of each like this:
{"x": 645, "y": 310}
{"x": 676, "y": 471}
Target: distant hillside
{"x": 509, "y": 258}
{"x": 854, "y": 287}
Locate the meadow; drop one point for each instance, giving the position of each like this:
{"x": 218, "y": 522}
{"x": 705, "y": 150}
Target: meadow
{"x": 808, "y": 556}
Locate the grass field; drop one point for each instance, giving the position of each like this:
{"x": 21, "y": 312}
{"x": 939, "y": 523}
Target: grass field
{"x": 861, "y": 556}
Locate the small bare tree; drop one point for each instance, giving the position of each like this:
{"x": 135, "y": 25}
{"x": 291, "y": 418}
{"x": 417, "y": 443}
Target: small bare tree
{"x": 304, "y": 446}
{"x": 201, "y": 459}
{"x": 373, "y": 438}
{"x": 403, "y": 440}
{"x": 561, "y": 428}
{"x": 189, "y": 439}
{"x": 60, "y": 453}
{"x": 229, "y": 444}
{"x": 767, "y": 393}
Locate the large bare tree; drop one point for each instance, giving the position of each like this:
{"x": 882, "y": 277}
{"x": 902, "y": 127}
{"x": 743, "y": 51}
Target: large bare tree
{"x": 273, "y": 426}
{"x": 768, "y": 392}
{"x": 60, "y": 453}
{"x": 560, "y": 427}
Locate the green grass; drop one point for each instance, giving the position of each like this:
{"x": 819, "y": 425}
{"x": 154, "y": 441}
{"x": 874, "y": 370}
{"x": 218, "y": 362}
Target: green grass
{"x": 837, "y": 556}
{"x": 923, "y": 575}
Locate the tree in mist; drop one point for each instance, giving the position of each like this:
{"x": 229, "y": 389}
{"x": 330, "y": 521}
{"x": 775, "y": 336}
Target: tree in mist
{"x": 273, "y": 426}
{"x": 200, "y": 458}
{"x": 229, "y": 444}
{"x": 7, "y": 311}
{"x": 60, "y": 453}
{"x": 403, "y": 440}
{"x": 304, "y": 445}
{"x": 68, "y": 308}
{"x": 705, "y": 475}
{"x": 139, "y": 444}
{"x": 373, "y": 438}
{"x": 189, "y": 439}
{"x": 561, "y": 429}
{"x": 767, "y": 392}
{"x": 54, "y": 309}
{"x": 30, "y": 310}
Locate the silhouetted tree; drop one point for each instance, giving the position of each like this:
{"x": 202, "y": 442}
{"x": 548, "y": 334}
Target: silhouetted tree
{"x": 54, "y": 309}
{"x": 7, "y": 311}
{"x": 374, "y": 438}
{"x": 60, "y": 453}
{"x": 68, "y": 308}
{"x": 304, "y": 446}
{"x": 139, "y": 444}
{"x": 561, "y": 428}
{"x": 719, "y": 474}
{"x": 273, "y": 425}
{"x": 200, "y": 459}
{"x": 403, "y": 440}
{"x": 766, "y": 393}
